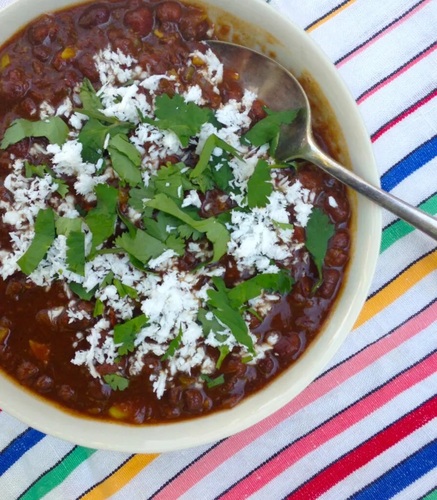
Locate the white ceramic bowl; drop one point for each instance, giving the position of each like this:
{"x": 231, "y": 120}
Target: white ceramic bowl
{"x": 258, "y": 25}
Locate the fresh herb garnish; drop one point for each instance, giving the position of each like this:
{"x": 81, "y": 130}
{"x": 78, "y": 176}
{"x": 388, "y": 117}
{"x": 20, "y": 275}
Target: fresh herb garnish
{"x": 319, "y": 230}
{"x": 213, "y": 382}
{"x": 216, "y": 232}
{"x": 101, "y": 219}
{"x": 116, "y": 382}
{"x": 267, "y": 130}
{"x": 259, "y": 186}
{"x": 184, "y": 119}
{"x": 222, "y": 308}
{"x": 142, "y": 246}
{"x": 280, "y": 282}
{"x": 54, "y": 129}
{"x": 126, "y": 159}
{"x": 173, "y": 346}
{"x": 42, "y": 241}
{"x": 125, "y": 333}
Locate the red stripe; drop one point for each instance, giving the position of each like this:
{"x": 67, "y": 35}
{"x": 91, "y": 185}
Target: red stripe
{"x": 397, "y": 73}
{"x": 319, "y": 388}
{"x": 340, "y": 423}
{"x": 366, "y": 452}
{"x": 383, "y": 32}
{"x": 403, "y": 115}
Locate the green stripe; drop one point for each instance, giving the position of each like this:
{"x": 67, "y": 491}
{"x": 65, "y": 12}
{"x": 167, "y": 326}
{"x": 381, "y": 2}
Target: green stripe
{"x": 431, "y": 496}
{"x": 55, "y": 476}
{"x": 400, "y": 228}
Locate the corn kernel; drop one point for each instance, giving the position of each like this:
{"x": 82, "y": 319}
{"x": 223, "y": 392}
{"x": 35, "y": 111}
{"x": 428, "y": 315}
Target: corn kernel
{"x": 158, "y": 34}
{"x": 68, "y": 53}
{"x": 197, "y": 61}
{"x": 118, "y": 412}
{"x": 5, "y": 61}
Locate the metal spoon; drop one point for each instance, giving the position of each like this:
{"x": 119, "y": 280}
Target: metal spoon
{"x": 280, "y": 90}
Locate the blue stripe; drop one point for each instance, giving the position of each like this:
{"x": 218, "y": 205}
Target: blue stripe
{"x": 401, "y": 476}
{"x": 18, "y": 447}
{"x": 416, "y": 159}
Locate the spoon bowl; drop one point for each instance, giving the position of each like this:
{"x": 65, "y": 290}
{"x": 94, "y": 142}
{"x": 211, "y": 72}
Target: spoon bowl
{"x": 280, "y": 90}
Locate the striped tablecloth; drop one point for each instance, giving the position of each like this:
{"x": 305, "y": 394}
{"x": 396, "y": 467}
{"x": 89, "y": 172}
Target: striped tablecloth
{"x": 367, "y": 427}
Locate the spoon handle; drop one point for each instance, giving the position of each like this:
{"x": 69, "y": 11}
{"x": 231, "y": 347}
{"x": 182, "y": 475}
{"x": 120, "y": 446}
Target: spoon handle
{"x": 417, "y": 218}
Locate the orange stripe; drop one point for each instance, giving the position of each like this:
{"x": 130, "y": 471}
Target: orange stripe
{"x": 116, "y": 481}
{"x": 329, "y": 16}
{"x": 398, "y": 287}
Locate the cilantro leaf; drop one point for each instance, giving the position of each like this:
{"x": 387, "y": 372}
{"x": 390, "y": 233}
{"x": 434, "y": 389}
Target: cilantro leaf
{"x": 278, "y": 282}
{"x": 142, "y": 246}
{"x": 65, "y": 225}
{"x": 259, "y": 185}
{"x": 268, "y": 129}
{"x": 54, "y": 129}
{"x": 92, "y": 104}
{"x": 80, "y": 291}
{"x": 216, "y": 232}
{"x": 126, "y": 159}
{"x": 42, "y": 241}
{"x": 210, "y": 144}
{"x": 125, "y": 333}
{"x": 125, "y": 290}
{"x": 318, "y": 233}
{"x": 76, "y": 252}
{"x": 171, "y": 181}
{"x": 116, "y": 382}
{"x": 184, "y": 119}
{"x": 174, "y": 344}
{"x": 222, "y": 308}
{"x": 101, "y": 219}
{"x": 93, "y": 136}
{"x": 213, "y": 382}
{"x": 99, "y": 308}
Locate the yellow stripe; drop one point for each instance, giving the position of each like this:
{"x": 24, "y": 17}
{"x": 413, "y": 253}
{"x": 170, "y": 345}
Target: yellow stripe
{"x": 120, "y": 478}
{"x": 330, "y": 15}
{"x": 398, "y": 287}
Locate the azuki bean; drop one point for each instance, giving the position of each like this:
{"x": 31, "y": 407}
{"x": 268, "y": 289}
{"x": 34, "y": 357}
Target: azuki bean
{"x": 331, "y": 278}
{"x": 14, "y": 85}
{"x": 139, "y": 20}
{"x": 44, "y": 384}
{"x": 169, "y": 12}
{"x": 26, "y": 371}
{"x": 39, "y": 32}
{"x": 94, "y": 16}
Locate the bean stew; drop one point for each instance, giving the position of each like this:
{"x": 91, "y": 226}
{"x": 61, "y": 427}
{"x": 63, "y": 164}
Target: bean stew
{"x": 156, "y": 262}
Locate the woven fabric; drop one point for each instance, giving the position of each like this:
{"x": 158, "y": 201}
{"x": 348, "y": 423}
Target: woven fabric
{"x": 366, "y": 428}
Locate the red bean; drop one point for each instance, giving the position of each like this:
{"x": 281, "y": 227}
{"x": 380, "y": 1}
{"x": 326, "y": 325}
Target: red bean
{"x": 169, "y": 12}
{"x": 87, "y": 66}
{"x": 14, "y": 85}
{"x": 286, "y": 347}
{"x": 44, "y": 384}
{"x": 42, "y": 52}
{"x": 95, "y": 15}
{"x": 331, "y": 279}
{"x": 139, "y": 20}
{"x": 26, "y": 371}
{"x": 43, "y": 29}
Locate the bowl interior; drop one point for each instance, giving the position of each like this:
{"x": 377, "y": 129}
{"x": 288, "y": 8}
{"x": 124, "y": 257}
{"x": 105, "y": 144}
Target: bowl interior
{"x": 295, "y": 50}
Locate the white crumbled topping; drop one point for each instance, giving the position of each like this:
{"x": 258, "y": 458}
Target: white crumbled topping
{"x": 213, "y": 69}
{"x": 169, "y": 297}
{"x": 332, "y": 202}
{"x": 192, "y": 198}
{"x": 194, "y": 94}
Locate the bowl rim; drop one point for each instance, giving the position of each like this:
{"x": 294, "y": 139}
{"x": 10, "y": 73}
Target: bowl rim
{"x": 50, "y": 419}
